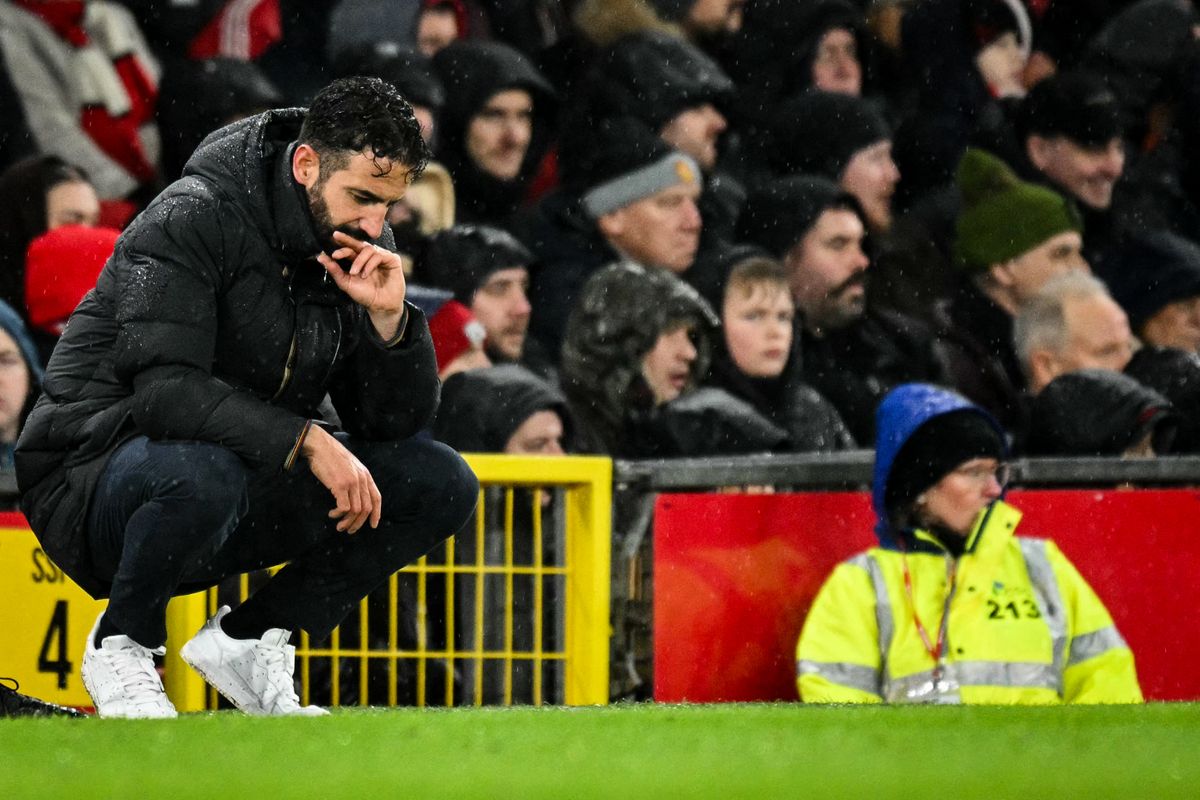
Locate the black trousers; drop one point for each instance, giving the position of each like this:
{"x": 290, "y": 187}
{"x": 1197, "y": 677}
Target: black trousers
{"x": 171, "y": 518}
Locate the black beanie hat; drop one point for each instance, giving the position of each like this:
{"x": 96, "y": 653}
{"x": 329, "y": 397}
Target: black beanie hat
{"x": 461, "y": 258}
{"x": 778, "y": 214}
{"x": 1077, "y": 105}
{"x": 819, "y": 132}
{"x": 1151, "y": 270}
{"x": 653, "y": 76}
{"x": 936, "y": 449}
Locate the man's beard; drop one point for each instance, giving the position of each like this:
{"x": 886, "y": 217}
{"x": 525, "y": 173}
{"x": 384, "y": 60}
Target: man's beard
{"x": 323, "y": 221}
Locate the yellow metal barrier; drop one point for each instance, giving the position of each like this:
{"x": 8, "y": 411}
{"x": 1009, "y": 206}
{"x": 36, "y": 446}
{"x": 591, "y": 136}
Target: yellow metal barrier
{"x": 513, "y": 610}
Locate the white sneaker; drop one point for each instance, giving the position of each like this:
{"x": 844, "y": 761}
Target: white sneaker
{"x": 254, "y": 674}
{"x": 121, "y": 678}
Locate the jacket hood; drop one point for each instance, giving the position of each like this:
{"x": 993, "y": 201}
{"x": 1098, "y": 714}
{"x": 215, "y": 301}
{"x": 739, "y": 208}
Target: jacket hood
{"x": 1095, "y": 412}
{"x": 482, "y": 408}
{"x": 905, "y": 409}
{"x": 620, "y": 314}
{"x": 473, "y": 71}
{"x": 654, "y": 76}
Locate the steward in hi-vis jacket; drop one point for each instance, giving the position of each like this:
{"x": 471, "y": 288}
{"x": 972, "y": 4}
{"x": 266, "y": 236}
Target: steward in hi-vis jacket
{"x": 938, "y": 616}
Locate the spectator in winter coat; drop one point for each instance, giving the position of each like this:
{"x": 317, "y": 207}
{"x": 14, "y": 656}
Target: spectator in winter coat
{"x": 487, "y": 270}
{"x": 637, "y": 346}
{"x": 38, "y": 194}
{"x": 1098, "y": 412}
{"x": 1071, "y": 324}
{"x": 626, "y": 195}
{"x": 850, "y": 354}
{"x": 496, "y": 125}
{"x": 967, "y": 59}
{"x": 175, "y": 443}
{"x": 842, "y": 138}
{"x": 759, "y": 364}
{"x": 503, "y": 409}
{"x": 915, "y": 619}
{"x": 1070, "y": 134}
{"x": 20, "y": 381}
{"x": 1011, "y": 238}
{"x": 1156, "y": 278}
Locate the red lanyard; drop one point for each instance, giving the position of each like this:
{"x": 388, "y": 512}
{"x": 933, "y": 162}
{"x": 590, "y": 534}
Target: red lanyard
{"x": 933, "y": 648}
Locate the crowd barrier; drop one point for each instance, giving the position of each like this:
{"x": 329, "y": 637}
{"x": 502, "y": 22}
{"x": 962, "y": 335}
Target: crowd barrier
{"x": 513, "y": 610}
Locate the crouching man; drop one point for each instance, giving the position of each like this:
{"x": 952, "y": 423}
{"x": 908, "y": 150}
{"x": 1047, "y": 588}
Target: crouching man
{"x": 175, "y": 443}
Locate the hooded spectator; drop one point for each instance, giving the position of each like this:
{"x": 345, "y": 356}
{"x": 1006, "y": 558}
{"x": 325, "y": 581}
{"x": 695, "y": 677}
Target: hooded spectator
{"x": 625, "y": 194}
{"x": 503, "y": 409}
{"x": 1156, "y": 278}
{"x": 637, "y": 346}
{"x": 38, "y": 194}
{"x": 495, "y": 127}
{"x": 20, "y": 380}
{"x": 1071, "y": 324}
{"x": 1175, "y": 375}
{"x": 842, "y": 138}
{"x": 197, "y": 97}
{"x": 1096, "y": 412}
{"x": 850, "y": 355}
{"x": 488, "y": 272}
{"x": 1143, "y": 52}
{"x": 1012, "y": 237}
{"x": 61, "y": 267}
{"x": 760, "y": 364}
{"x": 669, "y": 85}
{"x": 966, "y": 57}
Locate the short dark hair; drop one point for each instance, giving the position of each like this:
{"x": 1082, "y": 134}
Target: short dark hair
{"x": 353, "y": 115}
{"x": 755, "y": 271}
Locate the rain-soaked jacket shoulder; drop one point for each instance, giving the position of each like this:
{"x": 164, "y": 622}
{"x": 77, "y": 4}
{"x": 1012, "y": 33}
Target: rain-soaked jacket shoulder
{"x": 213, "y": 322}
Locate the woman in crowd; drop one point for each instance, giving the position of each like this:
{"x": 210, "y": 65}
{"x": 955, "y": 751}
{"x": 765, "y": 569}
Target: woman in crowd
{"x": 952, "y": 607}
{"x": 38, "y": 194}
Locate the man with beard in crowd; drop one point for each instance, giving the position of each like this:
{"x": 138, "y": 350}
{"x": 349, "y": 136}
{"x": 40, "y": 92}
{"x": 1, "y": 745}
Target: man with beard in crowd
{"x": 850, "y": 356}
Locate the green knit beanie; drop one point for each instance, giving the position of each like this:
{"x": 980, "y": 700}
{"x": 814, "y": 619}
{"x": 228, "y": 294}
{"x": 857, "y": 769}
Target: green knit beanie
{"x": 1002, "y": 216}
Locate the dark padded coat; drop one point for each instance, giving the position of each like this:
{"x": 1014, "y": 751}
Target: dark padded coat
{"x": 213, "y": 322}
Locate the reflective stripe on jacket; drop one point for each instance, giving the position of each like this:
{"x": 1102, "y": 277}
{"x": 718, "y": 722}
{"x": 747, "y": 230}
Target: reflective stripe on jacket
{"x": 1024, "y": 627}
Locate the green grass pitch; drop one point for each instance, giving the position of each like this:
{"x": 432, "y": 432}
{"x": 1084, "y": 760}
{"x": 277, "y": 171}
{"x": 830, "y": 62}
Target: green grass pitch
{"x": 621, "y": 751}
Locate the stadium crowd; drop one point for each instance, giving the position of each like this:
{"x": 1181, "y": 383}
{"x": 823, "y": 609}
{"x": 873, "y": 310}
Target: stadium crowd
{"x": 717, "y": 226}
{"x": 660, "y": 228}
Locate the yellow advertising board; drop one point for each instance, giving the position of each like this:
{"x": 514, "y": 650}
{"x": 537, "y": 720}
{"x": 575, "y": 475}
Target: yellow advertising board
{"x": 44, "y": 619}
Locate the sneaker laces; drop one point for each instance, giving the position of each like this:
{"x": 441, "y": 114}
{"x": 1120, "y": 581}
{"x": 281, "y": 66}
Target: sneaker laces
{"x": 279, "y": 663}
{"x": 133, "y": 665}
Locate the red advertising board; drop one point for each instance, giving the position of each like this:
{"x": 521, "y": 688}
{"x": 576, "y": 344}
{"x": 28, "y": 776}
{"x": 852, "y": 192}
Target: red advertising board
{"x": 734, "y": 576}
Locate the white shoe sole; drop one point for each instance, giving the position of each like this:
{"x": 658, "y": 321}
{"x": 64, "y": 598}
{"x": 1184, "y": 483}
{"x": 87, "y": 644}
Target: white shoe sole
{"x": 235, "y": 690}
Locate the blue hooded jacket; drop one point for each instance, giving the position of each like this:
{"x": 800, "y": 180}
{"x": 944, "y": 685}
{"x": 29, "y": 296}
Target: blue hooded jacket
{"x": 11, "y": 323}
{"x": 902, "y": 411}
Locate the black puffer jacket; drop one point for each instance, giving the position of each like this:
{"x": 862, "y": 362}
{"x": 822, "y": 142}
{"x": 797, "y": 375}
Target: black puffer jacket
{"x": 212, "y": 322}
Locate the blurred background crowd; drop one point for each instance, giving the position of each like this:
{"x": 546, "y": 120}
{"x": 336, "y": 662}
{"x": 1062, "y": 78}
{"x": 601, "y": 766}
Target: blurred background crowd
{"x": 659, "y": 228}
